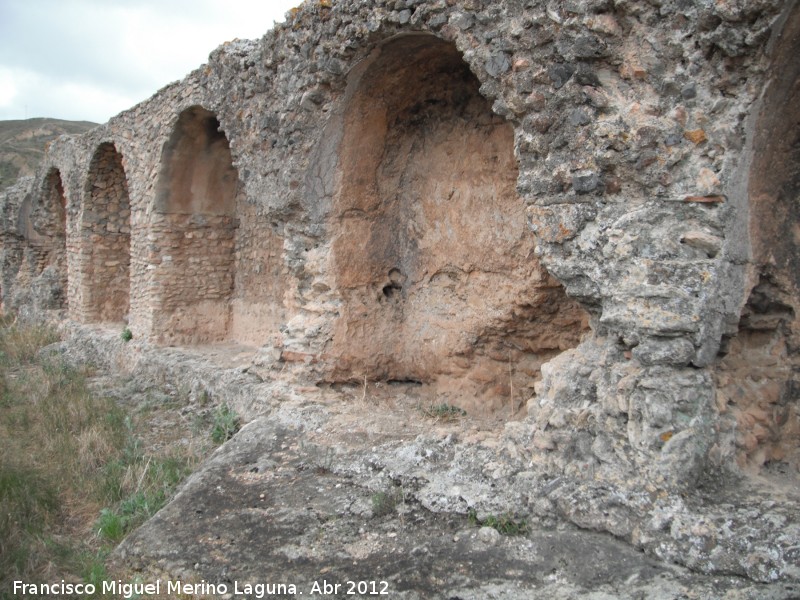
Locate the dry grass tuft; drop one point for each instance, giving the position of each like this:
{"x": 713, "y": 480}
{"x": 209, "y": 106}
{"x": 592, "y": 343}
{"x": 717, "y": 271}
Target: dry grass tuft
{"x": 70, "y": 460}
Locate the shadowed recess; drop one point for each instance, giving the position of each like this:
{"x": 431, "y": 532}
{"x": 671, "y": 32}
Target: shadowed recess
{"x": 431, "y": 252}
{"x": 105, "y": 234}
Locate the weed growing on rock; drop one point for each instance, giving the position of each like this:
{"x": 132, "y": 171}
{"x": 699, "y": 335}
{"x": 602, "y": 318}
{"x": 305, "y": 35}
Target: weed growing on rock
{"x": 323, "y": 458}
{"x": 384, "y": 503}
{"x": 126, "y": 335}
{"x": 226, "y": 424}
{"x": 504, "y": 524}
{"x": 444, "y": 412}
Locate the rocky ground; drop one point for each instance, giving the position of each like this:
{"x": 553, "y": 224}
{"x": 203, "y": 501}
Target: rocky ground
{"x": 366, "y": 483}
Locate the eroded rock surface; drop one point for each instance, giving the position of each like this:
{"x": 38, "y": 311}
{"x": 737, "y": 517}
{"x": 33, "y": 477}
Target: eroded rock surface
{"x": 284, "y": 505}
{"x": 302, "y": 478}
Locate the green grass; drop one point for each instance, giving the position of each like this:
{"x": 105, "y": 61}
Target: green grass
{"x": 504, "y": 524}
{"x": 111, "y": 525}
{"x": 444, "y": 412}
{"x": 92, "y": 568}
{"x": 75, "y": 475}
{"x": 384, "y": 503}
{"x": 226, "y": 424}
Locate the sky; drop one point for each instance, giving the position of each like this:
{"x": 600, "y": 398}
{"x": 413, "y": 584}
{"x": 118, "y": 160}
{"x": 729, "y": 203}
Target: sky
{"x": 88, "y": 60}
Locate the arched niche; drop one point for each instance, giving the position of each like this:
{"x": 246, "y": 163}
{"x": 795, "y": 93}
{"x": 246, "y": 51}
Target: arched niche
{"x": 55, "y": 227}
{"x": 55, "y": 202}
{"x": 759, "y": 376}
{"x": 193, "y": 230}
{"x": 105, "y": 240}
{"x": 431, "y": 253}
{"x": 197, "y": 175}
{"x": 41, "y": 222}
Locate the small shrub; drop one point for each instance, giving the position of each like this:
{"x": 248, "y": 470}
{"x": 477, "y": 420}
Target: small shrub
{"x": 504, "y": 524}
{"x": 127, "y": 335}
{"x": 384, "y": 503}
{"x": 444, "y": 412}
{"x": 226, "y": 424}
{"x": 204, "y": 398}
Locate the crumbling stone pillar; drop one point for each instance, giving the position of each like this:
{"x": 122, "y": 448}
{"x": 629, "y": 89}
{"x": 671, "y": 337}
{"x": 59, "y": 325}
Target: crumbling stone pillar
{"x": 34, "y": 247}
{"x": 257, "y": 306}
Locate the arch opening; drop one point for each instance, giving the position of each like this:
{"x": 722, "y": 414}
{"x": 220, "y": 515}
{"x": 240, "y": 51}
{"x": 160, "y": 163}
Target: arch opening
{"x": 193, "y": 233}
{"x": 431, "y": 252}
{"x": 40, "y": 266}
{"x": 55, "y": 229}
{"x": 759, "y": 376}
{"x": 105, "y": 238}
{"x": 55, "y": 202}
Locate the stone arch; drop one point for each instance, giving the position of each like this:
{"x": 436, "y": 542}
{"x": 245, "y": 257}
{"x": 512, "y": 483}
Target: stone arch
{"x": 105, "y": 240}
{"x": 54, "y": 201}
{"x": 197, "y": 174}
{"x": 42, "y": 221}
{"x": 40, "y": 264}
{"x": 759, "y": 377}
{"x": 193, "y": 228}
{"x": 431, "y": 253}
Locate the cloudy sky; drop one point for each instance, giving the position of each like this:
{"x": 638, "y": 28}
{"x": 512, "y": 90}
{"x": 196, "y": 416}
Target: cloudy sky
{"x": 91, "y": 59}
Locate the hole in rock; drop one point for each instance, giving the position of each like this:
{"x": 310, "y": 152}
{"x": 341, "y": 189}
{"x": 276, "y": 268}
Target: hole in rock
{"x": 390, "y": 290}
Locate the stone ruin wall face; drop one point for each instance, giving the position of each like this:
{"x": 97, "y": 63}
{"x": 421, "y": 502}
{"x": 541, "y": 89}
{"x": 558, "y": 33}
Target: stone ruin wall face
{"x": 588, "y": 207}
{"x": 193, "y": 232}
{"x": 757, "y": 385}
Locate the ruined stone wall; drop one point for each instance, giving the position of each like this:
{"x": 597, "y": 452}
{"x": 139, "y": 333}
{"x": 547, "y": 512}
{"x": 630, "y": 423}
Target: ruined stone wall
{"x": 377, "y": 164}
{"x": 193, "y": 226}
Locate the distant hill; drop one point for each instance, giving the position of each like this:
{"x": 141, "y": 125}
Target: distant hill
{"x": 22, "y": 144}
